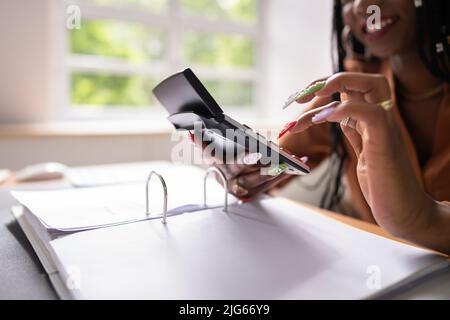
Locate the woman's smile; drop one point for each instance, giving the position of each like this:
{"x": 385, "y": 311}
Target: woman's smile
{"x": 393, "y": 33}
{"x": 373, "y": 32}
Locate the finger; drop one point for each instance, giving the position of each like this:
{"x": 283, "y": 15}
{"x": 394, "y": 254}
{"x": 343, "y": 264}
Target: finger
{"x": 369, "y": 114}
{"x": 254, "y": 179}
{"x": 305, "y": 120}
{"x": 271, "y": 184}
{"x": 309, "y": 97}
{"x": 352, "y": 95}
{"x": 374, "y": 87}
{"x": 250, "y": 191}
{"x": 354, "y": 138}
{"x": 252, "y": 158}
{"x": 241, "y": 162}
{"x": 231, "y": 171}
{"x": 196, "y": 140}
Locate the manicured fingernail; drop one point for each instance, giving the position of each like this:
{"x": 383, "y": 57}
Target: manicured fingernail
{"x": 245, "y": 200}
{"x": 304, "y": 159}
{"x": 286, "y": 128}
{"x": 286, "y": 150}
{"x": 311, "y": 89}
{"x": 252, "y": 158}
{"x": 190, "y": 136}
{"x": 277, "y": 170}
{"x": 322, "y": 115}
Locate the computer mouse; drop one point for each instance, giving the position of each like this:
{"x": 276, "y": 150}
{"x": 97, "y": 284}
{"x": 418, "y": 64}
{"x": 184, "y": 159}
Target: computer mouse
{"x": 41, "y": 171}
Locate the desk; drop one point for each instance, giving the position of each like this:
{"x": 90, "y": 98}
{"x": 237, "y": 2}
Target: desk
{"x": 21, "y": 274}
{"x": 23, "y": 277}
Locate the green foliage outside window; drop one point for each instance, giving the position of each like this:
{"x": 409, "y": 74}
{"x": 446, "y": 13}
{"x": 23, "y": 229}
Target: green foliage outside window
{"x": 112, "y": 90}
{"x": 137, "y": 44}
{"x": 130, "y": 41}
{"x": 244, "y": 11}
{"x": 154, "y": 5}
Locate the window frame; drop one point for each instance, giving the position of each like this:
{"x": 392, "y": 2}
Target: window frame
{"x": 171, "y": 62}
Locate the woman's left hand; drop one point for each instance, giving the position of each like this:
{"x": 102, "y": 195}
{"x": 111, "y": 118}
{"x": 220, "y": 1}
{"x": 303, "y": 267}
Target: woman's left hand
{"x": 397, "y": 200}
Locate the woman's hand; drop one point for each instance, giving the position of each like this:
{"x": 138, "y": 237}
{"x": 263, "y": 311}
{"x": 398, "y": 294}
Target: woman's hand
{"x": 385, "y": 174}
{"x": 245, "y": 179}
{"x": 244, "y": 176}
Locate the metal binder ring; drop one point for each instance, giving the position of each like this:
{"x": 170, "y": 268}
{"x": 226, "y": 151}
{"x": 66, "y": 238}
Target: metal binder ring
{"x": 163, "y": 183}
{"x": 224, "y": 183}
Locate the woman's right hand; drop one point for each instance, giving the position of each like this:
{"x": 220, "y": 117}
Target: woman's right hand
{"x": 245, "y": 179}
{"x": 244, "y": 176}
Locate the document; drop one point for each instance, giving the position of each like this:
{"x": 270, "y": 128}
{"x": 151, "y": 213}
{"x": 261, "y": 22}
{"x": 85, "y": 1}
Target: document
{"x": 76, "y": 209}
{"x": 269, "y": 249}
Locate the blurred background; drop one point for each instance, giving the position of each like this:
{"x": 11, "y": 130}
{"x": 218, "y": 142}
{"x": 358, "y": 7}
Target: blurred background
{"x": 76, "y": 76}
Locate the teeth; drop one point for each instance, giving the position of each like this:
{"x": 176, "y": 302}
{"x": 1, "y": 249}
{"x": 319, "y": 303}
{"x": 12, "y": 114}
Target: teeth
{"x": 383, "y": 24}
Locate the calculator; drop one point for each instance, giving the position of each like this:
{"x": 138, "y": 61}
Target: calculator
{"x": 191, "y": 107}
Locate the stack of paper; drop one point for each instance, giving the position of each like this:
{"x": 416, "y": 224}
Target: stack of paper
{"x": 71, "y": 210}
{"x": 110, "y": 174}
{"x": 268, "y": 249}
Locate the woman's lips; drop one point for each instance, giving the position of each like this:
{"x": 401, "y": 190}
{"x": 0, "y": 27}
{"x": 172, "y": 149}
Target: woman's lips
{"x": 386, "y": 24}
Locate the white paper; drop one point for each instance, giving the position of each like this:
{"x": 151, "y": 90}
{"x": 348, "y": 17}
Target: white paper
{"x": 80, "y": 208}
{"x": 109, "y": 174}
{"x": 272, "y": 249}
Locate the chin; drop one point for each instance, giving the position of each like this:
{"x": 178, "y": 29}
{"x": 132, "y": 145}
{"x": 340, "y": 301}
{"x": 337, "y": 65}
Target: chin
{"x": 382, "y": 53}
{"x": 388, "y": 51}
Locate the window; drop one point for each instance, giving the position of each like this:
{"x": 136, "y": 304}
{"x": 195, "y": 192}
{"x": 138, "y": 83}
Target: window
{"x": 123, "y": 48}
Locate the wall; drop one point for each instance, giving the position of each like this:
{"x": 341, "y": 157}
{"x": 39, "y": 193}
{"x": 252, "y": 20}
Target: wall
{"x": 25, "y": 61}
{"x": 17, "y": 152}
{"x": 298, "y": 50}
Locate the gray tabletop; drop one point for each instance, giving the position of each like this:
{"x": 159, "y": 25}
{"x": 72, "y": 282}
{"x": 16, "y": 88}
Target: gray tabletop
{"x": 23, "y": 277}
{"x": 21, "y": 274}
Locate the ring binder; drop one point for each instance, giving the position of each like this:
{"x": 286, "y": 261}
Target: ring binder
{"x": 224, "y": 183}
{"x": 163, "y": 183}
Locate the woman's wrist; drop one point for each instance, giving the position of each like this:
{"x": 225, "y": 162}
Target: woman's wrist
{"x": 439, "y": 228}
{"x": 432, "y": 227}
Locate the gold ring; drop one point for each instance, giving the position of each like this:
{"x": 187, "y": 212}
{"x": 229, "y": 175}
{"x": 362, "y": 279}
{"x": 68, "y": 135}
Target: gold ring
{"x": 352, "y": 123}
{"x": 387, "y": 104}
{"x": 344, "y": 122}
{"x": 238, "y": 190}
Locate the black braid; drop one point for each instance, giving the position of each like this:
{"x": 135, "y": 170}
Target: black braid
{"x": 433, "y": 31}
{"x": 333, "y": 192}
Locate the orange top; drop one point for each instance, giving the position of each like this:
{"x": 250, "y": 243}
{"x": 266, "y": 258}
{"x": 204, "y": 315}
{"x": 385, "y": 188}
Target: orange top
{"x": 434, "y": 175}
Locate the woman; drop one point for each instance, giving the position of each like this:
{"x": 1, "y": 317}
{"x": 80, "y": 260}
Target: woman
{"x": 390, "y": 132}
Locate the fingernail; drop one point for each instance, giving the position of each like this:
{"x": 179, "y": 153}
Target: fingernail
{"x": 245, "y": 200}
{"x": 286, "y": 128}
{"x": 277, "y": 170}
{"x": 304, "y": 159}
{"x": 322, "y": 115}
{"x": 252, "y": 158}
{"x": 286, "y": 150}
{"x": 311, "y": 89}
{"x": 190, "y": 136}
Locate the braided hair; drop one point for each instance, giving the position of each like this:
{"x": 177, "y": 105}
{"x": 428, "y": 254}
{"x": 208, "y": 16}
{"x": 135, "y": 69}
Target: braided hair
{"x": 433, "y": 41}
{"x": 433, "y": 35}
